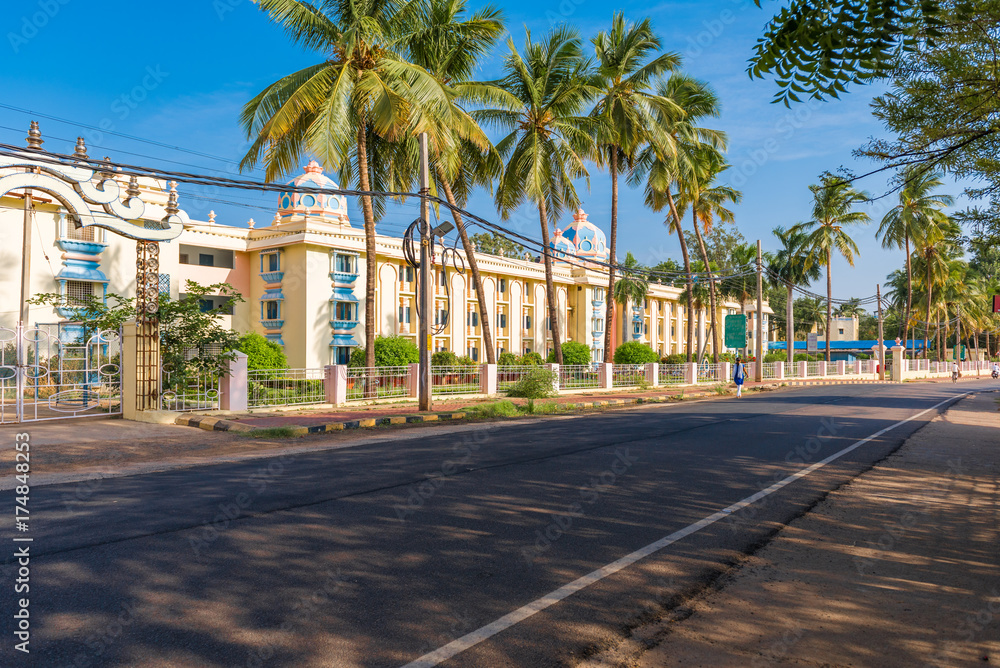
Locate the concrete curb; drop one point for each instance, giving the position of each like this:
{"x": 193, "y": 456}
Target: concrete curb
{"x": 218, "y": 424}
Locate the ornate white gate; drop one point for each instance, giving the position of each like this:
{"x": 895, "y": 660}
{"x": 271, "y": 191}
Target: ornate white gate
{"x": 58, "y": 371}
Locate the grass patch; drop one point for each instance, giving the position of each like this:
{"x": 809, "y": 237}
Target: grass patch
{"x": 494, "y": 409}
{"x": 721, "y": 390}
{"x": 268, "y": 432}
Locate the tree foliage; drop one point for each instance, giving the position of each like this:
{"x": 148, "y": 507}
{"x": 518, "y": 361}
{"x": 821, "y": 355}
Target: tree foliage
{"x": 192, "y": 338}
{"x": 817, "y": 49}
{"x": 493, "y": 243}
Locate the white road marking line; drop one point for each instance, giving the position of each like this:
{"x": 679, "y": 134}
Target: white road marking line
{"x": 473, "y": 638}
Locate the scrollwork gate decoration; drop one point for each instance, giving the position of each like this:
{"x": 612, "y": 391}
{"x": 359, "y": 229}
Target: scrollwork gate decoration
{"x": 147, "y": 292}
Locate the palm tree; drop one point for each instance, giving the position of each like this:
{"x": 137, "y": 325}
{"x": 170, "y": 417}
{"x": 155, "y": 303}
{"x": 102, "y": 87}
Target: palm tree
{"x": 696, "y": 294}
{"x": 661, "y": 163}
{"x": 707, "y": 201}
{"x": 935, "y": 250}
{"x": 833, "y": 210}
{"x": 361, "y": 97}
{"x": 449, "y": 45}
{"x": 788, "y": 267}
{"x": 627, "y": 67}
{"x": 632, "y": 287}
{"x": 918, "y": 207}
{"x": 546, "y": 140}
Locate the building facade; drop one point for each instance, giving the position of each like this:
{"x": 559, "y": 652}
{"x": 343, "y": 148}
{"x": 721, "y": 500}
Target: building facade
{"x": 303, "y": 281}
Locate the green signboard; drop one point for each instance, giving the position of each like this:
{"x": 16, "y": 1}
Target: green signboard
{"x": 736, "y": 331}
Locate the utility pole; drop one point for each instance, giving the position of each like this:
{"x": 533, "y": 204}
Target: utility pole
{"x": 881, "y": 343}
{"x": 426, "y": 296}
{"x": 758, "y": 367}
{"x": 34, "y": 144}
{"x": 26, "y": 260}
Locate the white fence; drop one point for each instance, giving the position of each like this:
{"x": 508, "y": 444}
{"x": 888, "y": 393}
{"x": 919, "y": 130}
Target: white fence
{"x": 285, "y": 387}
{"x": 338, "y": 385}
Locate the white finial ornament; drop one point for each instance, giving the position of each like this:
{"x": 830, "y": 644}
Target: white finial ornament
{"x": 211, "y": 217}
{"x": 251, "y": 223}
{"x": 277, "y": 219}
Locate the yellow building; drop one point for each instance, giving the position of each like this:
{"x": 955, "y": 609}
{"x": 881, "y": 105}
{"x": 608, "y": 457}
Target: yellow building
{"x": 303, "y": 280}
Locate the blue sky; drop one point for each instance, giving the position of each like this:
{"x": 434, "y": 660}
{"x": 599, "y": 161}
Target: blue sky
{"x": 178, "y": 74}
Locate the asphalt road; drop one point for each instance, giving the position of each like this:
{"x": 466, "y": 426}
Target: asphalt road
{"x": 380, "y": 554}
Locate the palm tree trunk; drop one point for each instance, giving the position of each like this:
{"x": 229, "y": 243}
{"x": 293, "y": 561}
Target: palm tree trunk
{"x": 477, "y": 279}
{"x": 371, "y": 273}
{"x": 927, "y": 325}
{"x": 829, "y": 299}
{"x": 790, "y": 326}
{"x": 550, "y": 290}
{"x": 711, "y": 288}
{"x": 612, "y": 249}
{"x": 687, "y": 270}
{"x": 909, "y": 297}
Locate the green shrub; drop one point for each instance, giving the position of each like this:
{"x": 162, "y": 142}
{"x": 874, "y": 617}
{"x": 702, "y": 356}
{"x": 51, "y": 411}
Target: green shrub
{"x": 633, "y": 352}
{"x": 261, "y": 353}
{"x": 465, "y": 360}
{"x": 535, "y": 384}
{"x": 444, "y": 358}
{"x": 776, "y": 357}
{"x": 573, "y": 353}
{"x": 530, "y": 359}
{"x": 507, "y": 359}
{"x": 676, "y": 358}
{"x": 389, "y": 351}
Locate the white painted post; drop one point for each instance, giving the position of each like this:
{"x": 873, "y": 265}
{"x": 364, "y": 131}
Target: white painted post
{"x": 653, "y": 374}
{"x": 822, "y": 368}
{"x": 691, "y": 373}
{"x": 803, "y": 366}
{"x": 897, "y": 364}
{"x": 554, "y": 368}
{"x": 841, "y": 367}
{"x": 724, "y": 372}
{"x": 233, "y": 385}
{"x": 606, "y": 375}
{"x": 779, "y": 370}
{"x": 488, "y": 379}
{"x": 335, "y": 384}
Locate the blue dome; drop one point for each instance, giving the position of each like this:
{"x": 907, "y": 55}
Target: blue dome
{"x": 583, "y": 239}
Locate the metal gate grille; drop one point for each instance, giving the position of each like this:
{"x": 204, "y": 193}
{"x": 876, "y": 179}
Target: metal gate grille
{"x": 49, "y": 372}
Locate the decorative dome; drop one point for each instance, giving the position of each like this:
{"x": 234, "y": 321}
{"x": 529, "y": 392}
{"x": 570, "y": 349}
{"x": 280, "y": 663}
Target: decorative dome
{"x": 582, "y": 238}
{"x": 562, "y": 245}
{"x": 296, "y": 206}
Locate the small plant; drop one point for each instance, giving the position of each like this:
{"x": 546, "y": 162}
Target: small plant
{"x": 721, "y": 389}
{"x": 536, "y": 384}
{"x": 529, "y": 408}
{"x": 644, "y": 384}
{"x": 530, "y": 359}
